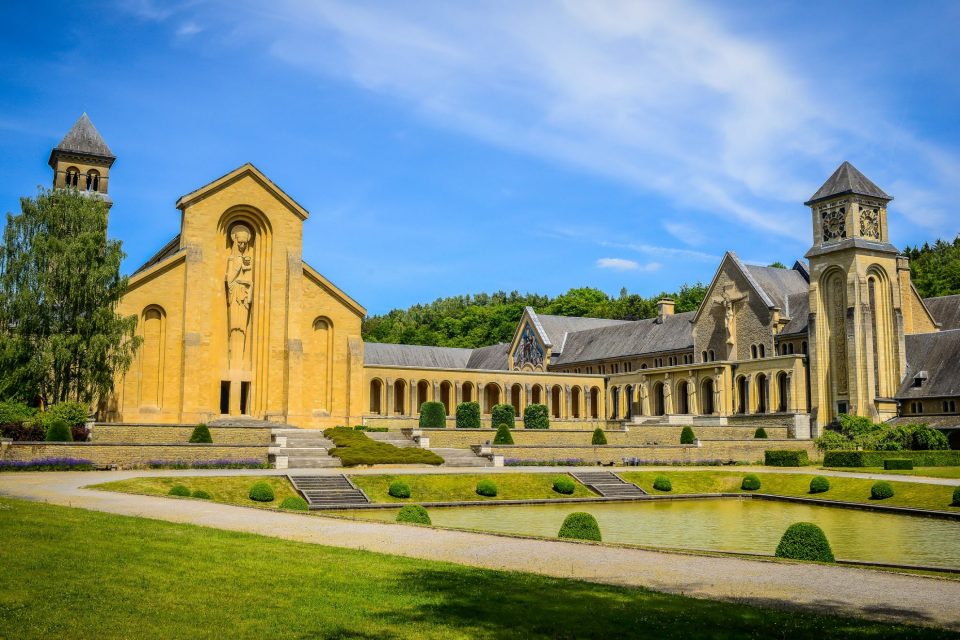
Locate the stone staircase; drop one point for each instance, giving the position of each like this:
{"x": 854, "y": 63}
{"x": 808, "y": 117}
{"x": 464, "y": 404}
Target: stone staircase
{"x": 461, "y": 458}
{"x": 329, "y": 492}
{"x": 608, "y": 484}
{"x": 302, "y": 449}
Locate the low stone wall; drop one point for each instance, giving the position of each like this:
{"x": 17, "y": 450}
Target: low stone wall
{"x": 637, "y": 435}
{"x": 555, "y": 424}
{"x": 127, "y": 455}
{"x": 176, "y": 434}
{"x": 740, "y": 451}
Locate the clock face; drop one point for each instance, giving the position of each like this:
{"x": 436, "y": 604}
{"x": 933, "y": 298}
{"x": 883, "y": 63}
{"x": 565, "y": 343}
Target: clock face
{"x": 834, "y": 224}
{"x": 870, "y": 223}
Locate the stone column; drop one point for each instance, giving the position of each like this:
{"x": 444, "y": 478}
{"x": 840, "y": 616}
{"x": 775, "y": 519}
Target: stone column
{"x": 389, "y": 393}
{"x": 457, "y": 394}
{"x": 412, "y": 400}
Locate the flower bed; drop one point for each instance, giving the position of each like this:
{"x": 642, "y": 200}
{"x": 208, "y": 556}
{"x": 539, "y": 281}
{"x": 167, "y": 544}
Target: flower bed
{"x": 248, "y": 463}
{"x": 47, "y": 464}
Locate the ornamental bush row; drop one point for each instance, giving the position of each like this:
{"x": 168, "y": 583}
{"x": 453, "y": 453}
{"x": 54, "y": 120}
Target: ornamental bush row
{"x": 876, "y": 458}
{"x": 785, "y": 458}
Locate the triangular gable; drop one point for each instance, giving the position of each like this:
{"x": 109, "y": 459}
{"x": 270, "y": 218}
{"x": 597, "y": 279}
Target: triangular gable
{"x": 530, "y": 327}
{"x": 247, "y": 170}
{"x": 731, "y": 258}
{"x": 333, "y": 290}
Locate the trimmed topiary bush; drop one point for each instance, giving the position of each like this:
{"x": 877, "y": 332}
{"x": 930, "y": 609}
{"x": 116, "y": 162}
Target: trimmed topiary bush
{"x": 956, "y": 496}
{"x": 881, "y": 491}
{"x": 785, "y": 458}
{"x": 201, "y": 494}
{"x": 486, "y": 488}
{"x": 201, "y": 434}
{"x": 413, "y": 513}
{"x": 750, "y": 482}
{"x": 503, "y": 435}
{"x": 819, "y": 485}
{"x": 58, "y": 431}
{"x": 580, "y": 526}
{"x": 503, "y": 415}
{"x": 261, "y": 492}
{"x": 535, "y": 416}
{"x": 687, "y": 436}
{"x": 599, "y": 437}
{"x": 760, "y": 433}
{"x": 805, "y": 541}
{"x": 179, "y": 490}
{"x": 294, "y": 503}
{"x": 564, "y": 485}
{"x": 899, "y": 464}
{"x": 468, "y": 415}
{"x": 662, "y": 483}
{"x": 399, "y": 489}
{"x": 433, "y": 415}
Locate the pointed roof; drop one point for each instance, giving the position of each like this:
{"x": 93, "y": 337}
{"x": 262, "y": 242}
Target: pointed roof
{"x": 243, "y": 171}
{"x": 83, "y": 138}
{"x": 847, "y": 179}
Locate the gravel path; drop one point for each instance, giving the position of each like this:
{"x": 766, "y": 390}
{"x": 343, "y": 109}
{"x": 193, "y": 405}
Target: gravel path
{"x": 842, "y": 590}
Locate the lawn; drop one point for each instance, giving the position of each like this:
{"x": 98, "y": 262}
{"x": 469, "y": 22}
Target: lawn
{"x": 70, "y": 573}
{"x": 459, "y": 487}
{"x": 907, "y": 494}
{"x": 225, "y": 489}
{"x": 930, "y": 472}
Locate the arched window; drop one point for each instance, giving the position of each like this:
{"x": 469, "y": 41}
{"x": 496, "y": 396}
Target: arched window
{"x": 376, "y": 390}
{"x": 706, "y": 397}
{"x": 803, "y": 347}
{"x": 72, "y": 178}
{"x": 93, "y": 180}
{"x": 763, "y": 351}
{"x": 753, "y": 351}
{"x": 713, "y": 356}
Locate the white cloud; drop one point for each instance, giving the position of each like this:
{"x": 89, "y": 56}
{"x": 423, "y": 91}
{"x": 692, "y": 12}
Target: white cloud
{"x": 622, "y": 264}
{"x": 188, "y": 29}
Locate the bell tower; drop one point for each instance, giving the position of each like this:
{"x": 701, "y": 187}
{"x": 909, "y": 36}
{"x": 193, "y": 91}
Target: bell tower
{"x": 82, "y": 161}
{"x": 856, "y": 322}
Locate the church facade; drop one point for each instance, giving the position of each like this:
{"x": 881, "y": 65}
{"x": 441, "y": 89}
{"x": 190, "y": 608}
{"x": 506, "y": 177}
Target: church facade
{"x": 235, "y": 323}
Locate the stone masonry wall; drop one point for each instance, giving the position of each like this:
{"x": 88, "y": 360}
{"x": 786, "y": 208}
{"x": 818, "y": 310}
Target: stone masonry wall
{"x": 740, "y": 451}
{"x": 161, "y": 434}
{"x": 132, "y": 455}
{"x": 637, "y": 435}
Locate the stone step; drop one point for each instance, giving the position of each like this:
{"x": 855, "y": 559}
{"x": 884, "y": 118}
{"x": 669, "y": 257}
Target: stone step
{"x": 335, "y": 491}
{"x": 607, "y": 484}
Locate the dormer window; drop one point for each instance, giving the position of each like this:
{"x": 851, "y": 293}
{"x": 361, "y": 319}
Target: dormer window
{"x": 920, "y": 378}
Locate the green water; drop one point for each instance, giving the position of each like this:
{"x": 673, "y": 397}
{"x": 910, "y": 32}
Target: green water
{"x": 730, "y": 524}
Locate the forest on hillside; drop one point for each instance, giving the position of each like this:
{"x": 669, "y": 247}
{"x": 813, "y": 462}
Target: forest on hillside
{"x": 935, "y": 269}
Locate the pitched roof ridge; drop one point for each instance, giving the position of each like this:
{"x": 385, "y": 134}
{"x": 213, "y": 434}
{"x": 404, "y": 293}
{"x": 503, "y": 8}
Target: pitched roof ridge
{"x": 83, "y": 137}
{"x": 847, "y": 179}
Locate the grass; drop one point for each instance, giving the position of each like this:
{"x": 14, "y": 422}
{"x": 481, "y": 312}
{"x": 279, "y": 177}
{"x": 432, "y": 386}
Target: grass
{"x": 225, "y": 489}
{"x": 930, "y": 472}
{"x": 356, "y": 448}
{"x": 453, "y": 488}
{"x": 908, "y": 494}
{"x": 123, "y": 577}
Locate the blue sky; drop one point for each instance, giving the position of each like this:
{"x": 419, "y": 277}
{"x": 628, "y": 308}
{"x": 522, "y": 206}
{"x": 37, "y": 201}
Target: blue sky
{"x": 448, "y": 148}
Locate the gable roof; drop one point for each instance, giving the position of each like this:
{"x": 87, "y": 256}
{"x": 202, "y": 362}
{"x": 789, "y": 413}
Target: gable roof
{"x": 627, "y": 339}
{"x": 938, "y": 354}
{"x": 412, "y": 355}
{"x": 492, "y": 358}
{"x": 168, "y": 250}
{"x": 778, "y": 284}
{"x": 847, "y": 179}
{"x": 243, "y": 171}
{"x": 798, "y": 310}
{"x": 945, "y": 310}
{"x": 83, "y": 138}
{"x": 556, "y": 328}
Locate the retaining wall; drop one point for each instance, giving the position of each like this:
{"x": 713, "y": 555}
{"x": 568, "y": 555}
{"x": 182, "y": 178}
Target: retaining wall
{"x": 637, "y": 435}
{"x": 176, "y": 434}
{"x": 740, "y": 451}
{"x": 555, "y": 424}
{"x": 124, "y": 455}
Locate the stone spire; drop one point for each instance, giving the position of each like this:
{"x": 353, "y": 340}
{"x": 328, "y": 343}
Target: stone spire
{"x": 847, "y": 180}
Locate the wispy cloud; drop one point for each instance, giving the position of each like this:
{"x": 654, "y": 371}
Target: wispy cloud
{"x": 188, "y": 29}
{"x": 622, "y": 264}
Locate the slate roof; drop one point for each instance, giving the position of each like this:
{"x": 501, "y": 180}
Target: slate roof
{"x": 411, "y": 355}
{"x": 779, "y": 284}
{"x": 627, "y": 339}
{"x": 798, "y": 310}
{"x": 492, "y": 358}
{"x": 83, "y": 137}
{"x": 557, "y": 327}
{"x": 938, "y": 354}
{"x": 847, "y": 179}
{"x": 937, "y": 422}
{"x": 168, "y": 250}
{"x": 945, "y": 310}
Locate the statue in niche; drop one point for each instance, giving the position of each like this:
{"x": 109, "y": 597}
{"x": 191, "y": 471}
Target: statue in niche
{"x": 728, "y": 300}
{"x": 239, "y": 283}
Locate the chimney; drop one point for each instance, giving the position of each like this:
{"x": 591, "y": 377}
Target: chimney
{"x": 664, "y": 309}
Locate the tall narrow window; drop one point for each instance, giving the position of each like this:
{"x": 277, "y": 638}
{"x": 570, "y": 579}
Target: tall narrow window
{"x": 225, "y": 397}
{"x": 244, "y": 397}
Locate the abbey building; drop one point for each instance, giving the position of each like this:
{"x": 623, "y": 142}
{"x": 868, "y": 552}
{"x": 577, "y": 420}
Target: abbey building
{"x": 235, "y": 323}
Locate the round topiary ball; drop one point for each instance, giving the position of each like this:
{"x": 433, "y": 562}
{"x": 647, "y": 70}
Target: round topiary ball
{"x": 580, "y": 526}
{"x": 750, "y": 482}
{"x": 399, "y": 489}
{"x": 58, "y": 431}
{"x": 956, "y": 496}
{"x": 760, "y": 433}
{"x": 261, "y": 492}
{"x": 294, "y": 503}
{"x": 662, "y": 483}
{"x": 413, "y": 513}
{"x": 200, "y": 493}
{"x": 564, "y": 485}
{"x": 486, "y": 488}
{"x": 819, "y": 485}
{"x": 805, "y": 541}
{"x": 179, "y": 490}
{"x": 881, "y": 491}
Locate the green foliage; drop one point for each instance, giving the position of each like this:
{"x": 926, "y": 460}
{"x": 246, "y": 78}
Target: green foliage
{"x": 599, "y": 437}
{"x": 60, "y": 284}
{"x": 502, "y": 414}
{"x": 487, "y": 488}
{"x": 536, "y": 416}
{"x": 58, "y": 431}
{"x": 201, "y": 434}
{"x": 355, "y": 447}
{"x": 819, "y": 485}
{"x": 261, "y": 492}
{"x": 860, "y": 433}
{"x": 900, "y": 464}
{"x": 13, "y": 412}
{"x": 662, "y": 483}
{"x": 179, "y": 490}
{"x": 876, "y": 458}
{"x": 935, "y": 270}
{"x": 564, "y": 485}
{"x": 294, "y": 503}
{"x": 687, "y": 436}
{"x": 881, "y": 490}
{"x": 805, "y": 541}
{"x": 580, "y": 526}
{"x": 760, "y": 433}
{"x": 468, "y": 415}
{"x": 413, "y": 513}
{"x": 74, "y": 414}
{"x": 785, "y": 458}
{"x": 956, "y": 496}
{"x": 912, "y": 437}
{"x": 433, "y": 415}
{"x": 832, "y": 440}
{"x": 503, "y": 435}
{"x": 201, "y": 494}
{"x": 399, "y": 489}
{"x": 778, "y": 265}
{"x": 751, "y": 482}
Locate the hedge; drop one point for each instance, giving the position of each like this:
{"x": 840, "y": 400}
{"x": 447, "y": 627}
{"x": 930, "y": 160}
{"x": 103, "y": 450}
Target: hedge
{"x": 580, "y": 526}
{"x": 898, "y": 464}
{"x": 486, "y": 488}
{"x": 785, "y": 458}
{"x": 566, "y": 486}
{"x": 805, "y": 541}
{"x": 750, "y": 482}
{"x": 535, "y": 416}
{"x": 261, "y": 492}
{"x": 468, "y": 415}
{"x": 413, "y": 513}
{"x": 58, "y": 431}
{"x": 819, "y": 485}
{"x": 201, "y": 494}
{"x": 687, "y": 436}
{"x": 294, "y": 503}
{"x": 876, "y": 458}
{"x": 502, "y": 414}
{"x": 399, "y": 489}
{"x": 662, "y": 483}
{"x": 503, "y": 435}
{"x": 956, "y": 496}
{"x": 433, "y": 415}
{"x": 179, "y": 490}
{"x": 355, "y": 447}
{"x": 881, "y": 491}
{"x": 201, "y": 434}
{"x": 760, "y": 433}
{"x": 598, "y": 437}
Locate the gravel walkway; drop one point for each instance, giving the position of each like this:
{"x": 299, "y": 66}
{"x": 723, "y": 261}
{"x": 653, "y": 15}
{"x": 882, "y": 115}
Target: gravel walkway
{"x": 842, "y": 590}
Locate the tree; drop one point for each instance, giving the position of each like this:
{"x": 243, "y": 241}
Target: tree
{"x": 778, "y": 265}
{"x": 59, "y": 288}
